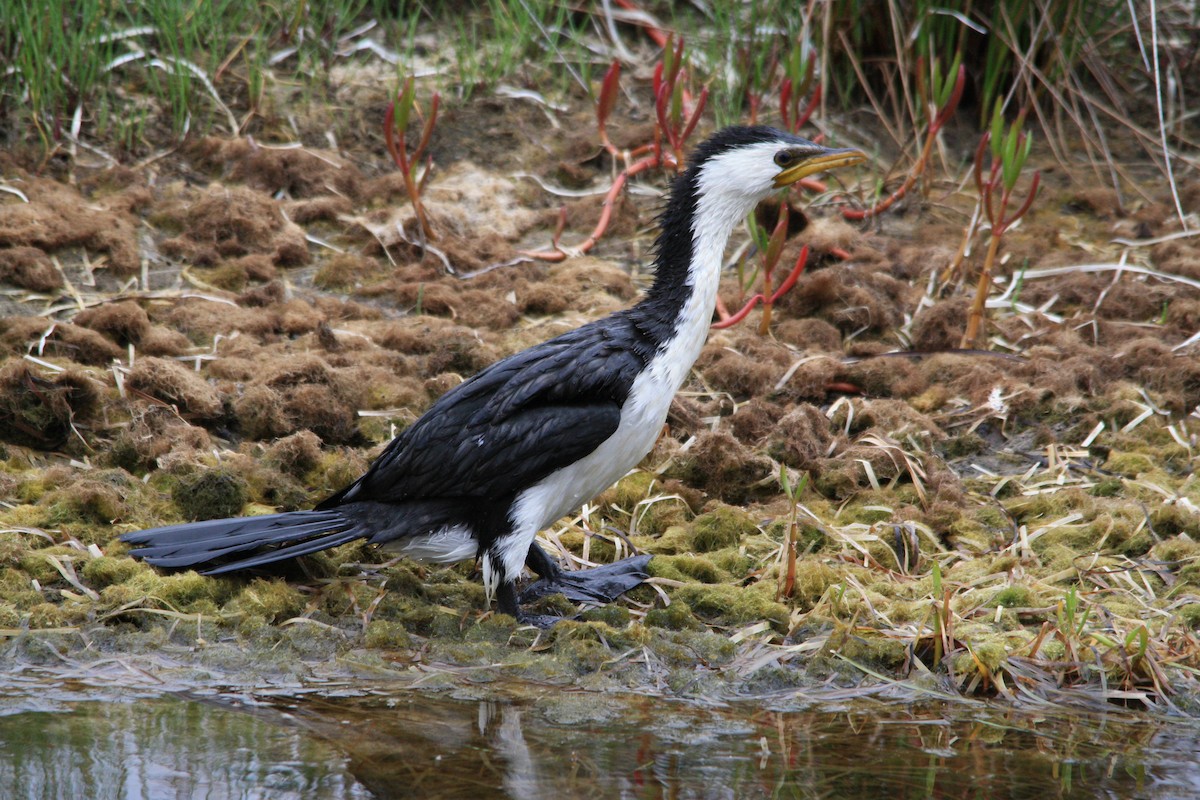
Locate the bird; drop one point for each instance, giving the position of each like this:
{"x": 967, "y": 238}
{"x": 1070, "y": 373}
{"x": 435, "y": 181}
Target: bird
{"x": 535, "y": 435}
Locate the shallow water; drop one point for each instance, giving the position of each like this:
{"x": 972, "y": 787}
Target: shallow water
{"x": 542, "y": 742}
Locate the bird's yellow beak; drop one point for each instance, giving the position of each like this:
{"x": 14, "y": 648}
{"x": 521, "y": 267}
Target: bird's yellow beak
{"x": 830, "y": 159}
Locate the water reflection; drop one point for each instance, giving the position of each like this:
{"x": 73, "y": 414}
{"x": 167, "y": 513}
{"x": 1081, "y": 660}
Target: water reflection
{"x": 410, "y": 746}
{"x": 165, "y": 748}
{"x": 540, "y": 742}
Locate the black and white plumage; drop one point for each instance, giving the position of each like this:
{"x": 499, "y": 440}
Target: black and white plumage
{"x": 535, "y": 435}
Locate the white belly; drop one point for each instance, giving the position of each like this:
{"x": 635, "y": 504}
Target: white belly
{"x": 446, "y": 546}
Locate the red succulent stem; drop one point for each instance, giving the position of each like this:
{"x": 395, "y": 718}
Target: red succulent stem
{"x": 813, "y": 102}
{"x": 727, "y": 320}
{"x": 657, "y": 35}
{"x": 980, "y": 151}
{"x": 610, "y": 198}
{"x": 1033, "y": 188}
{"x": 936, "y": 124}
{"x": 398, "y": 150}
{"x": 785, "y": 103}
{"x": 745, "y": 310}
{"x": 606, "y": 102}
{"x": 427, "y": 131}
{"x": 947, "y": 111}
{"x": 793, "y": 276}
{"x": 696, "y": 112}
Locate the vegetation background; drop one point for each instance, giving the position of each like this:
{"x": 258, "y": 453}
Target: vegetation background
{"x": 948, "y": 446}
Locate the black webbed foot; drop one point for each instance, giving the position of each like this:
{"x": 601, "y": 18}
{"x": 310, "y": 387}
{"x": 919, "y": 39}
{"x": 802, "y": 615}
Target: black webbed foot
{"x": 597, "y": 585}
{"x": 542, "y": 621}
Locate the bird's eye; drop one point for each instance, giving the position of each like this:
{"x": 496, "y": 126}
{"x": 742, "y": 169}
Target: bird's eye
{"x": 785, "y": 158}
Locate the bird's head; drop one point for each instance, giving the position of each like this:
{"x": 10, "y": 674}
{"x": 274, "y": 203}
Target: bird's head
{"x": 727, "y": 176}
{"x": 745, "y": 164}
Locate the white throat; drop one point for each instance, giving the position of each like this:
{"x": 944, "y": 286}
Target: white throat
{"x": 726, "y": 196}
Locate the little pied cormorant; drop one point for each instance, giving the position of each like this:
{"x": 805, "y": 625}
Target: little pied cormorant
{"x": 535, "y": 435}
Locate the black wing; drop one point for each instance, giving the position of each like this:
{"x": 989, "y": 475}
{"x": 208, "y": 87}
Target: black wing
{"x": 513, "y": 423}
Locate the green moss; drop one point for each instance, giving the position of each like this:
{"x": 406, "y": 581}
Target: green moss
{"x": 274, "y": 600}
{"x": 692, "y": 567}
{"x": 614, "y": 616}
{"x": 1110, "y": 487}
{"x": 425, "y": 619}
{"x": 184, "y": 589}
{"x": 1173, "y": 520}
{"x": 35, "y": 564}
{"x": 1039, "y": 509}
{"x": 967, "y": 444}
{"x": 864, "y": 514}
{"x": 734, "y": 562}
{"x": 873, "y": 650}
{"x": 32, "y": 489}
{"x": 85, "y": 501}
{"x": 710, "y": 649}
{"x": 231, "y": 276}
{"x": 1190, "y": 575}
{"x": 1179, "y": 548}
{"x": 554, "y": 605}
{"x": 581, "y": 647}
{"x": 342, "y": 271}
{"x": 675, "y": 539}
{"x": 1189, "y": 616}
{"x": 654, "y": 516}
{"x": 722, "y": 527}
{"x": 120, "y": 594}
{"x": 838, "y": 480}
{"x": 274, "y": 489}
{"x": 186, "y": 592}
{"x": 1014, "y": 596}
{"x": 735, "y": 605}
{"x": 676, "y": 617}
{"x": 1129, "y": 465}
{"x": 13, "y": 548}
{"x": 313, "y": 641}
{"x": 403, "y": 581}
{"x": 494, "y": 628}
{"x": 1058, "y": 557}
{"x": 47, "y": 615}
{"x": 105, "y": 571}
{"x": 812, "y": 579}
{"x": 651, "y": 512}
{"x": 334, "y": 471}
{"x": 629, "y": 491}
{"x": 210, "y": 494}
{"x": 991, "y": 654}
{"x": 809, "y": 538}
{"x": 9, "y": 616}
{"x": 600, "y": 548}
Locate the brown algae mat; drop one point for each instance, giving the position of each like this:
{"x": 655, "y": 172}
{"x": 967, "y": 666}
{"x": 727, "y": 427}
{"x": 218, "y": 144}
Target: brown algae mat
{"x": 235, "y": 328}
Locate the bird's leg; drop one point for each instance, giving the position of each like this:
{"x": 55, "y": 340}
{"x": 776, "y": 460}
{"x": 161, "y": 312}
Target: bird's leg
{"x": 506, "y": 602}
{"x": 542, "y": 564}
{"x": 597, "y": 585}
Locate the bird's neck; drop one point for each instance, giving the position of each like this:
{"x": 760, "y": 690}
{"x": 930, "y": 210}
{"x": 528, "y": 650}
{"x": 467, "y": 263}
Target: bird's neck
{"x": 694, "y": 230}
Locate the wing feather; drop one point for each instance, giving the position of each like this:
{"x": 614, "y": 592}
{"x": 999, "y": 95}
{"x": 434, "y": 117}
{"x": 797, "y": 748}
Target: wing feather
{"x": 512, "y": 424}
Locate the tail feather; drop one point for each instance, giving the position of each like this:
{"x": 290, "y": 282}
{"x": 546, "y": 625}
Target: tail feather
{"x": 292, "y": 551}
{"x": 270, "y": 538}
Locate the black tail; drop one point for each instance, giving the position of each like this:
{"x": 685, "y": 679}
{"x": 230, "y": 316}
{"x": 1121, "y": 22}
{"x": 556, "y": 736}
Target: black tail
{"x": 270, "y": 538}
